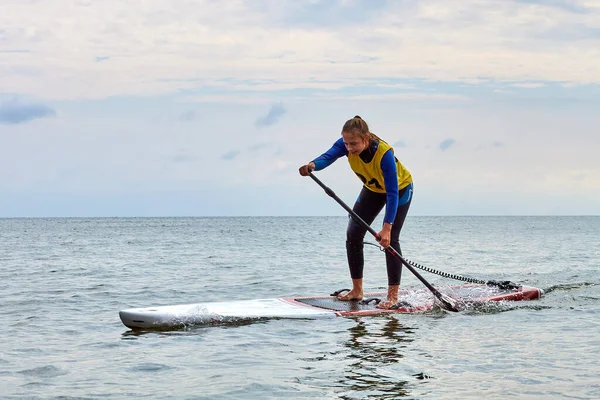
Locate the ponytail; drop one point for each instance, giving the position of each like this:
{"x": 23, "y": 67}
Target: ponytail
{"x": 358, "y": 126}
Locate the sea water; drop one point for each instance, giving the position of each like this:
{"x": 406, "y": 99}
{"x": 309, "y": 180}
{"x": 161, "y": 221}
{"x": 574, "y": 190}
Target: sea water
{"x": 64, "y": 280}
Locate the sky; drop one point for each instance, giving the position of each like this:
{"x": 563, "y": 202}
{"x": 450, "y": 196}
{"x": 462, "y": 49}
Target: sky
{"x": 209, "y": 107}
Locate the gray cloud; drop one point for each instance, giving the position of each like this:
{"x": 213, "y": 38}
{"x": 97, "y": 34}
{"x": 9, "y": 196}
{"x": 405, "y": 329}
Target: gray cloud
{"x": 187, "y": 116}
{"x": 230, "y": 156}
{"x": 14, "y": 112}
{"x": 183, "y": 158}
{"x": 275, "y": 113}
{"x": 446, "y": 144}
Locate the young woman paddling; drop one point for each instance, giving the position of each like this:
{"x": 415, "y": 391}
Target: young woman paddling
{"x": 385, "y": 182}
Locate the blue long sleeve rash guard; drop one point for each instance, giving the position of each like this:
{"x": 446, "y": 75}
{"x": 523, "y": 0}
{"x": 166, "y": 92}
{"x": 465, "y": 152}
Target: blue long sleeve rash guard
{"x": 388, "y": 167}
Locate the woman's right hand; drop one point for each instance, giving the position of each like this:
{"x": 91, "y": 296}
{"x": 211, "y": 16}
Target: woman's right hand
{"x": 305, "y": 170}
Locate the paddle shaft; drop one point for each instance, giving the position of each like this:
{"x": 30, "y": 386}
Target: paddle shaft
{"x": 390, "y": 249}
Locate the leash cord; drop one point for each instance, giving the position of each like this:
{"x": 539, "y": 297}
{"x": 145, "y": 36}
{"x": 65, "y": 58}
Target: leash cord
{"x": 436, "y": 272}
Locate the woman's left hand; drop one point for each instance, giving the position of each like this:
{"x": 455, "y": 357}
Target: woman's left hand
{"x": 385, "y": 234}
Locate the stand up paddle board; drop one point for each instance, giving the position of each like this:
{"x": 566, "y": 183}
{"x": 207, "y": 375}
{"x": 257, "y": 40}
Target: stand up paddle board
{"x": 312, "y": 307}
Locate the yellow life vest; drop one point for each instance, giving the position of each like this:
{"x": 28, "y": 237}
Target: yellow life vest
{"x": 371, "y": 174}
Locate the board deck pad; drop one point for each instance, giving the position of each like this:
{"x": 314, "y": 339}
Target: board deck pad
{"x": 312, "y": 307}
{"x": 331, "y": 303}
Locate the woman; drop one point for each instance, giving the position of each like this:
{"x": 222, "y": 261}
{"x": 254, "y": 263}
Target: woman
{"x": 385, "y": 182}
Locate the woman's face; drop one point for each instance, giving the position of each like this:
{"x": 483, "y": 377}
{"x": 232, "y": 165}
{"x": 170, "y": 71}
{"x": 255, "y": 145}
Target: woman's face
{"x": 354, "y": 143}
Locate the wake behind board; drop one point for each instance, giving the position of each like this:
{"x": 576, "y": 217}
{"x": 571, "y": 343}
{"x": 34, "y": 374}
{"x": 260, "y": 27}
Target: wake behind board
{"x": 311, "y": 307}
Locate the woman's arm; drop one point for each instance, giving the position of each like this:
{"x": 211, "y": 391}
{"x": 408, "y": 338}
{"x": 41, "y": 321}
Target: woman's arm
{"x": 326, "y": 159}
{"x": 390, "y": 178}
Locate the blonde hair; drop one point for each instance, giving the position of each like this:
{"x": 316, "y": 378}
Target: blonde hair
{"x": 359, "y": 127}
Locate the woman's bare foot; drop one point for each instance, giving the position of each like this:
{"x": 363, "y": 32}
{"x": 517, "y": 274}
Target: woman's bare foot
{"x": 355, "y": 294}
{"x": 391, "y": 299}
{"x": 387, "y": 303}
{"x": 351, "y": 295}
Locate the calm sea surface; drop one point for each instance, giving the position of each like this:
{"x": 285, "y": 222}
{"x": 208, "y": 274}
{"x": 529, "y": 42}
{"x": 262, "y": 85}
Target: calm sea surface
{"x": 63, "y": 282}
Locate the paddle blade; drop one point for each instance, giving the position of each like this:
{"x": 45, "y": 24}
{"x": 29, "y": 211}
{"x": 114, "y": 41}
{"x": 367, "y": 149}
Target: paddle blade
{"x": 448, "y": 303}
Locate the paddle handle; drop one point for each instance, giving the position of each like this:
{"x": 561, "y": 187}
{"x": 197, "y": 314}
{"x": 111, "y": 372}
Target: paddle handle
{"x": 354, "y": 215}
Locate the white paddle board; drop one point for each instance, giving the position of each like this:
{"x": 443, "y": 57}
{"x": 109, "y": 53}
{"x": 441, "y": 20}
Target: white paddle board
{"x": 310, "y": 307}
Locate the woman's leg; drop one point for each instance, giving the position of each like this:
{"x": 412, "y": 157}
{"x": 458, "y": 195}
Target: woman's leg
{"x": 367, "y": 206}
{"x": 394, "y": 265}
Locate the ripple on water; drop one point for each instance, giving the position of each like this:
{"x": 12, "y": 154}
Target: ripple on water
{"x": 63, "y": 282}
{"x": 47, "y": 371}
{"x": 150, "y": 367}
{"x": 35, "y": 385}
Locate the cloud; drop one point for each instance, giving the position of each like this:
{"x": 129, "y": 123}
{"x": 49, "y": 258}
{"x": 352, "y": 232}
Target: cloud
{"x": 399, "y": 143}
{"x": 15, "y": 51}
{"x": 567, "y": 5}
{"x": 502, "y": 91}
{"x": 334, "y": 92}
{"x": 14, "y": 112}
{"x": 100, "y": 59}
{"x": 336, "y": 13}
{"x": 275, "y": 113}
{"x": 230, "y": 155}
{"x": 406, "y": 96}
{"x": 446, "y": 144}
{"x": 183, "y": 158}
{"x": 260, "y": 146}
{"x": 528, "y": 85}
{"x": 187, "y": 116}
{"x": 172, "y": 47}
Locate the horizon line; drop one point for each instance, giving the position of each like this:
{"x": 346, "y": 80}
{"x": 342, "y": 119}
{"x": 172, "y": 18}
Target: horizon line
{"x": 289, "y": 216}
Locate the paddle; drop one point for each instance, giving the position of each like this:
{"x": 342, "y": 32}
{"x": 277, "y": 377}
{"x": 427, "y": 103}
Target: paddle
{"x": 447, "y": 302}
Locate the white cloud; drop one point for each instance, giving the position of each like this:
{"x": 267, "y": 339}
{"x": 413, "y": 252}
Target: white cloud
{"x": 164, "y": 47}
{"x": 253, "y": 98}
{"x": 430, "y": 97}
{"x": 528, "y": 85}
